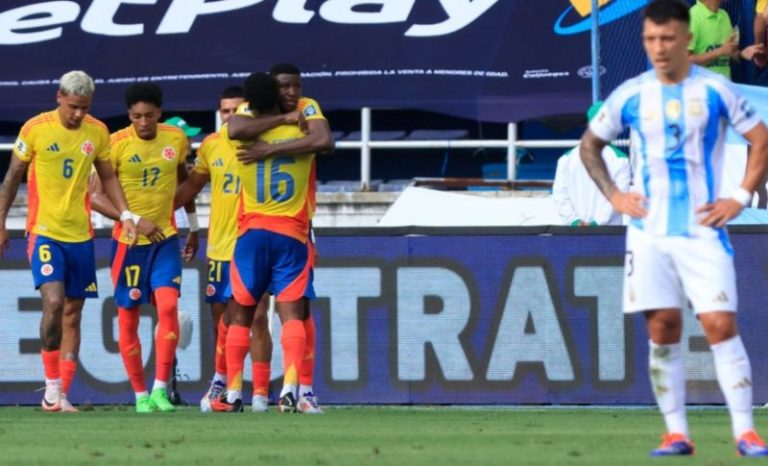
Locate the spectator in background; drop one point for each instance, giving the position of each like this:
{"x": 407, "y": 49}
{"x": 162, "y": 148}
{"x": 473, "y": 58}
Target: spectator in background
{"x": 715, "y": 42}
{"x": 578, "y": 200}
{"x": 760, "y": 25}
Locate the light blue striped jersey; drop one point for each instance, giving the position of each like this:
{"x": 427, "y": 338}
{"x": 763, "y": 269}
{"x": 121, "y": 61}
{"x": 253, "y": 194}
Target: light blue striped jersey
{"x": 678, "y": 135}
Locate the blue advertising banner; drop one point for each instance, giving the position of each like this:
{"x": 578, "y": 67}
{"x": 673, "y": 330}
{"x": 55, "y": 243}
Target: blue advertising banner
{"x": 468, "y": 317}
{"x": 492, "y": 60}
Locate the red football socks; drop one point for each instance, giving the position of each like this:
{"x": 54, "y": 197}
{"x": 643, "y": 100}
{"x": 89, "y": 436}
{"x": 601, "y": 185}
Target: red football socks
{"x": 167, "y": 302}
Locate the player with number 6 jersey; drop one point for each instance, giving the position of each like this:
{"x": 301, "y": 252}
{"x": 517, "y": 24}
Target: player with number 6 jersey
{"x": 58, "y": 149}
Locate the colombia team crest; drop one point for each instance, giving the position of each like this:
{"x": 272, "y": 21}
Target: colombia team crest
{"x": 87, "y": 148}
{"x": 46, "y": 270}
{"x": 210, "y": 290}
{"x": 169, "y": 153}
{"x": 134, "y": 294}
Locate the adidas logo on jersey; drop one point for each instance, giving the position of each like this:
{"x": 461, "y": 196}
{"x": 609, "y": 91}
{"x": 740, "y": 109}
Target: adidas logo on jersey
{"x": 91, "y": 288}
{"x": 218, "y": 163}
{"x": 134, "y": 159}
{"x": 53, "y": 147}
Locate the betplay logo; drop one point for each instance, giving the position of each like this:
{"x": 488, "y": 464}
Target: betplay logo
{"x": 610, "y": 10}
{"x": 43, "y": 21}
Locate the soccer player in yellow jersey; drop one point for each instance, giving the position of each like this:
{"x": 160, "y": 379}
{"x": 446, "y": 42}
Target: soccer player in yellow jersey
{"x": 230, "y": 99}
{"x": 149, "y": 160}
{"x": 295, "y": 109}
{"x": 271, "y": 252}
{"x": 58, "y": 150}
{"x": 216, "y": 162}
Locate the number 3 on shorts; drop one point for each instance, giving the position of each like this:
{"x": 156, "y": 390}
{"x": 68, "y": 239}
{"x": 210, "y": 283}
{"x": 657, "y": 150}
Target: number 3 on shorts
{"x": 630, "y": 263}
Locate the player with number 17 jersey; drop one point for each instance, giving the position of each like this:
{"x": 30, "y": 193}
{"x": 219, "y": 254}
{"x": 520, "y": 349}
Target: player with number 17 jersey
{"x": 147, "y": 171}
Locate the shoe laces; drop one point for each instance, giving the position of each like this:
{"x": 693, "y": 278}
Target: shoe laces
{"x": 52, "y": 388}
{"x": 670, "y": 438}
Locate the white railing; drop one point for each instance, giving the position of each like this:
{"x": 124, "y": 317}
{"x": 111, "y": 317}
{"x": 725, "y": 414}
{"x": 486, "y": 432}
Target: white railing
{"x": 365, "y": 145}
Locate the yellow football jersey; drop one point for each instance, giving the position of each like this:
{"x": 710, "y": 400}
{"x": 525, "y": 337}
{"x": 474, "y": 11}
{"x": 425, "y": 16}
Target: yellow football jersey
{"x": 148, "y": 172}
{"x": 216, "y": 158}
{"x": 312, "y": 111}
{"x": 275, "y": 189}
{"x": 60, "y": 161}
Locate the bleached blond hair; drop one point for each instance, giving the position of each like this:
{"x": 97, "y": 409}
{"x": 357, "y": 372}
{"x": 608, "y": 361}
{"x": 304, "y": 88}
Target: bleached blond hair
{"x": 77, "y": 83}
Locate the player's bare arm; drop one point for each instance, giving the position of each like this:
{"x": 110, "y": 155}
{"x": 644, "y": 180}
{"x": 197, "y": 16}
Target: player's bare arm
{"x": 318, "y": 139}
{"x": 721, "y": 211}
{"x": 192, "y": 243}
{"x": 101, "y": 203}
{"x": 8, "y": 191}
{"x": 191, "y": 187}
{"x": 590, "y": 150}
{"x": 247, "y": 128}
{"x": 111, "y": 185}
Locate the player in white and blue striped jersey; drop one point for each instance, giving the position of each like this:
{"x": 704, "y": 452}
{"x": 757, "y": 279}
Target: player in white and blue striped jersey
{"x": 677, "y": 246}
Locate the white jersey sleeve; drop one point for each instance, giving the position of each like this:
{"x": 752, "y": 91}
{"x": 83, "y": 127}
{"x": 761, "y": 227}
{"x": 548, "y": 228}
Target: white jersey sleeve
{"x": 612, "y": 118}
{"x": 740, "y": 113}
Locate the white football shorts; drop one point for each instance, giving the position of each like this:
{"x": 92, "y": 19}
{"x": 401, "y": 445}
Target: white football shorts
{"x": 663, "y": 271}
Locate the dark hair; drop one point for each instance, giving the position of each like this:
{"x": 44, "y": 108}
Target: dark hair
{"x": 284, "y": 68}
{"x": 261, "y": 91}
{"x": 663, "y": 11}
{"x": 232, "y": 92}
{"x": 144, "y": 92}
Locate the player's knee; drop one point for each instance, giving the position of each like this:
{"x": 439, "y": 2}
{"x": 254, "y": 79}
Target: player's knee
{"x": 53, "y": 303}
{"x": 719, "y": 327}
{"x": 664, "y": 329}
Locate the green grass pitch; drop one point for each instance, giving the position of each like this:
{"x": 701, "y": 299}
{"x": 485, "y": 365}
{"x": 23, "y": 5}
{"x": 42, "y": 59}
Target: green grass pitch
{"x": 438, "y": 436}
